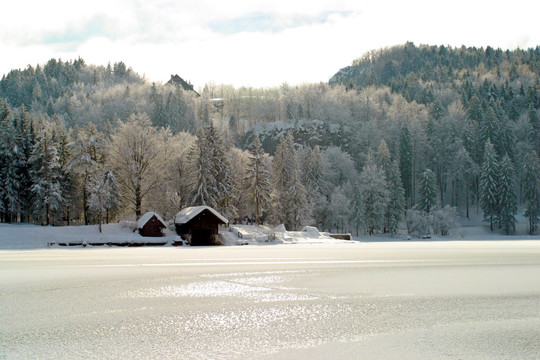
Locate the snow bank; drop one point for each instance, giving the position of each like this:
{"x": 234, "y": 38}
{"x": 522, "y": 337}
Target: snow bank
{"x": 26, "y": 236}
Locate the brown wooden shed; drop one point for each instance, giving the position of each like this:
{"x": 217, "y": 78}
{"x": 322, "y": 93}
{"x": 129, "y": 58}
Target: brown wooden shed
{"x": 151, "y": 224}
{"x": 199, "y": 225}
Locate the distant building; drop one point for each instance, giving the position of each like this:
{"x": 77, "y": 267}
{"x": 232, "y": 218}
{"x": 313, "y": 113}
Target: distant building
{"x": 177, "y": 80}
{"x": 199, "y": 225}
{"x": 151, "y": 224}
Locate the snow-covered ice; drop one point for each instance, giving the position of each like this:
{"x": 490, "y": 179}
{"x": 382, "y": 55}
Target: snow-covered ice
{"x": 376, "y": 300}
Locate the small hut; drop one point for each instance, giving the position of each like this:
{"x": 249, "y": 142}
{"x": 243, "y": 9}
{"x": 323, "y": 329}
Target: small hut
{"x": 199, "y": 225}
{"x": 151, "y": 224}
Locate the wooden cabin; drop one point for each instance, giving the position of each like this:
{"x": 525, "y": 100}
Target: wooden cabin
{"x": 199, "y": 225}
{"x": 151, "y": 225}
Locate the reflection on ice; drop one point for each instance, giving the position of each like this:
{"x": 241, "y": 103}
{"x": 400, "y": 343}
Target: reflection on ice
{"x": 257, "y": 288}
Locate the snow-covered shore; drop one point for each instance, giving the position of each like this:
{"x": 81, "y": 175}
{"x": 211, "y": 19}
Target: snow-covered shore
{"x": 26, "y": 236}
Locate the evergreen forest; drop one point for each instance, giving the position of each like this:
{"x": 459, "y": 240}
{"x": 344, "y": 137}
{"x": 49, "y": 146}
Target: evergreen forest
{"x": 413, "y": 135}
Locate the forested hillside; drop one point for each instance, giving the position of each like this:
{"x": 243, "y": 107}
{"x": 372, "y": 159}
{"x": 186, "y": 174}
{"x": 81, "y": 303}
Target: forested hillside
{"x": 439, "y": 131}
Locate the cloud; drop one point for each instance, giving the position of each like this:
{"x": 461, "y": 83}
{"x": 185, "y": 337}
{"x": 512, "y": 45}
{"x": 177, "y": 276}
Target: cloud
{"x": 269, "y": 22}
{"x": 252, "y": 43}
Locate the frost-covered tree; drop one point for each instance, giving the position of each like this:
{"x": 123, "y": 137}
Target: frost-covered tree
{"x": 374, "y": 193}
{"x": 258, "y": 179}
{"x": 357, "y": 207}
{"x": 138, "y": 157}
{"x": 176, "y": 184}
{"x": 104, "y": 194}
{"x": 297, "y": 213}
{"x": 204, "y": 173}
{"x": 222, "y": 169}
{"x": 427, "y": 192}
{"x": 10, "y": 164}
{"x": 531, "y": 189}
{"x": 506, "y": 195}
{"x": 211, "y": 171}
{"x": 87, "y": 151}
{"x": 464, "y": 170}
{"x": 489, "y": 185}
{"x": 339, "y": 210}
{"x": 46, "y": 173}
{"x": 406, "y": 160}
{"x": 396, "y": 198}
{"x": 289, "y": 194}
{"x": 444, "y": 220}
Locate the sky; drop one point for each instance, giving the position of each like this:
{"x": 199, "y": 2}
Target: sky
{"x": 258, "y": 43}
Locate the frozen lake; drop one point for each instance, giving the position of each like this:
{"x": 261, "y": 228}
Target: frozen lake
{"x": 406, "y": 300}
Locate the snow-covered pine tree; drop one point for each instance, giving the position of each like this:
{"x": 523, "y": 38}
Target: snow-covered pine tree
{"x": 488, "y": 128}
{"x": 296, "y": 202}
{"x": 464, "y": 170}
{"x": 406, "y": 160}
{"x": 506, "y": 194}
{"x": 396, "y": 198}
{"x": 204, "y": 173}
{"x": 427, "y": 192}
{"x": 488, "y": 185}
{"x": 67, "y": 180}
{"x": 257, "y": 180}
{"x": 212, "y": 180}
{"x": 530, "y": 177}
{"x": 10, "y": 185}
{"x": 25, "y": 138}
{"x": 374, "y": 193}
{"x": 312, "y": 170}
{"x": 222, "y": 170}
{"x": 283, "y": 165}
{"x": 357, "y": 207}
{"x": 46, "y": 174}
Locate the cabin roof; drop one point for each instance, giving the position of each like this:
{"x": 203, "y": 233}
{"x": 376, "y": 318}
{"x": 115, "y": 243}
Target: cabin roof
{"x": 189, "y": 213}
{"x": 146, "y": 217}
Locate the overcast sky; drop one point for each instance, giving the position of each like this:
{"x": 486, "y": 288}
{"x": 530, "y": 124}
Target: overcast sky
{"x": 253, "y": 42}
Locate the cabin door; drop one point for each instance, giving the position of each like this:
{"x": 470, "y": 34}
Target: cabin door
{"x": 201, "y": 237}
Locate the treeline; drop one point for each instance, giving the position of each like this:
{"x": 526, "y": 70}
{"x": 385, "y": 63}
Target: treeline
{"x": 437, "y": 111}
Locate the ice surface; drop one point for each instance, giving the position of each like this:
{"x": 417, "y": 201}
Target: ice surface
{"x": 378, "y": 300}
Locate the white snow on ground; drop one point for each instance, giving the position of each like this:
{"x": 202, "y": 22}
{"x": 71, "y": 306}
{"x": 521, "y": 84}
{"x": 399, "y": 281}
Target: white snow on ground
{"x": 25, "y": 236}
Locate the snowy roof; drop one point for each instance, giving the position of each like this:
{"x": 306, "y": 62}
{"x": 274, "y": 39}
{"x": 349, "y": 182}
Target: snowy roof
{"x": 146, "y": 217}
{"x": 189, "y": 213}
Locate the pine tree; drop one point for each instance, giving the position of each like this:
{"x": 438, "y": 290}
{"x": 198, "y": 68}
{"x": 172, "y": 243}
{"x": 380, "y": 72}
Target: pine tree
{"x": 296, "y": 201}
{"x": 357, "y": 208}
{"x": 374, "y": 192}
{"x": 396, "y": 198}
{"x": 427, "y": 192}
{"x": 10, "y": 184}
{"x": 488, "y": 185}
{"x": 289, "y": 196}
{"x": 212, "y": 183}
{"x": 284, "y": 163}
{"x": 531, "y": 189}
{"x": 46, "y": 174}
{"x": 258, "y": 180}
{"x": 534, "y": 120}
{"x": 507, "y": 195}
{"x": 204, "y": 192}
{"x": 406, "y": 161}
{"x": 222, "y": 170}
